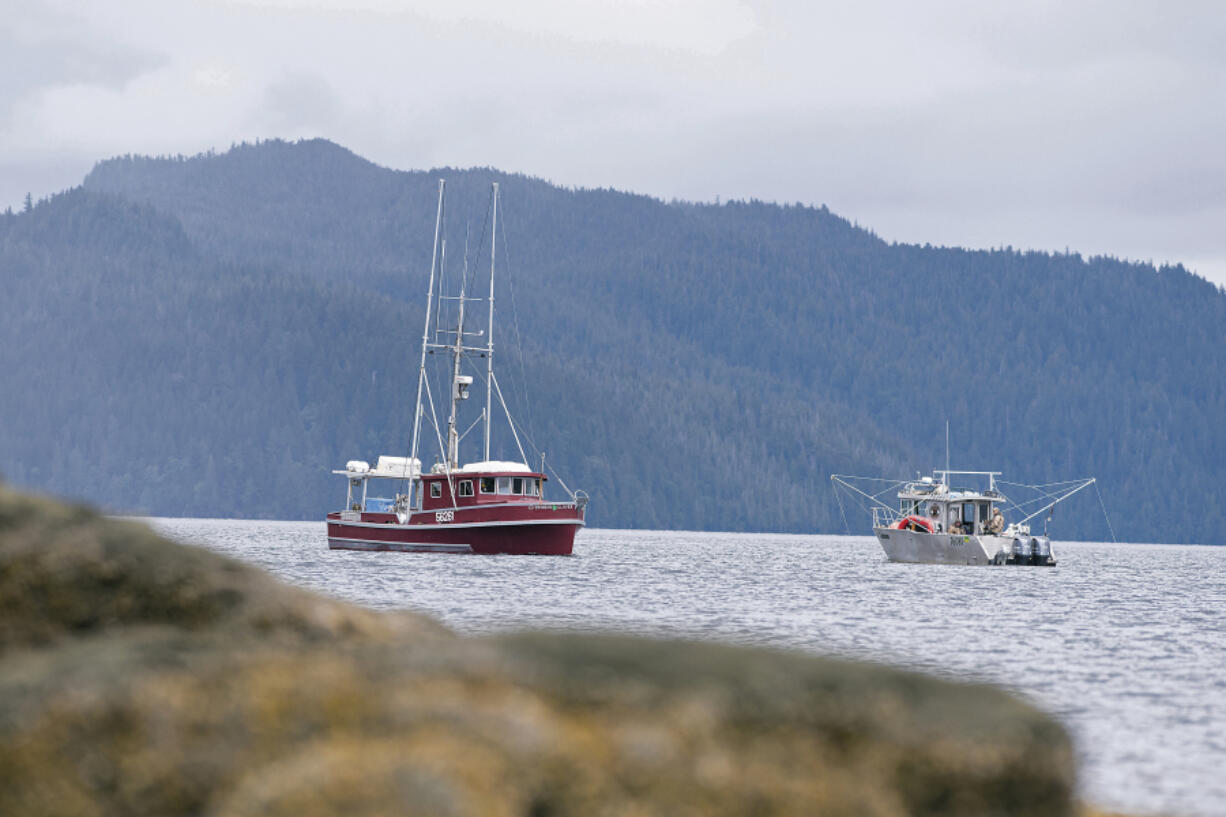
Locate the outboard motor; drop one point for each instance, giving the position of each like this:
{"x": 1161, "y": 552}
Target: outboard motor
{"x": 1022, "y": 550}
{"x": 1042, "y": 551}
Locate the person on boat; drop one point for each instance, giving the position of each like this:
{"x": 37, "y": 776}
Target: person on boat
{"x": 956, "y": 527}
{"x": 936, "y": 519}
{"x": 997, "y": 523}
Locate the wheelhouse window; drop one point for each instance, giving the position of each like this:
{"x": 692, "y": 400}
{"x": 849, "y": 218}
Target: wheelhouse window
{"x": 517, "y": 485}
{"x": 968, "y": 513}
{"x": 466, "y": 487}
{"x": 536, "y": 487}
{"x": 504, "y": 485}
{"x": 436, "y": 489}
{"x": 487, "y": 485}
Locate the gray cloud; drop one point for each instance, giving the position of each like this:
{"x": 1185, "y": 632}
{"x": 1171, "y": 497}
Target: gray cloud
{"x": 1093, "y": 125}
{"x": 300, "y": 102}
{"x": 41, "y": 49}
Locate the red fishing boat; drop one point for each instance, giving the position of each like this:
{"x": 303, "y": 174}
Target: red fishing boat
{"x": 488, "y": 506}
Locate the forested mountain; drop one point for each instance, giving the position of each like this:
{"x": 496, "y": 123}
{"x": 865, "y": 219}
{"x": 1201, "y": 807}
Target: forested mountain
{"x": 211, "y": 335}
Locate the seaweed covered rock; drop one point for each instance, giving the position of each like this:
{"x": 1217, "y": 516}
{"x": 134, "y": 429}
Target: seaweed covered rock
{"x": 65, "y": 571}
{"x": 138, "y": 676}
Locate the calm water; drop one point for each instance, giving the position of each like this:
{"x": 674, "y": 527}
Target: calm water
{"x": 1126, "y": 644}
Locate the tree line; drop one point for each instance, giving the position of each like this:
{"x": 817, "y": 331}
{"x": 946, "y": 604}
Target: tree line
{"x": 209, "y": 336}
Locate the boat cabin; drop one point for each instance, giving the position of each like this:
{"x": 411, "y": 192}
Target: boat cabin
{"x": 951, "y": 510}
{"x": 481, "y": 483}
{"x": 478, "y": 483}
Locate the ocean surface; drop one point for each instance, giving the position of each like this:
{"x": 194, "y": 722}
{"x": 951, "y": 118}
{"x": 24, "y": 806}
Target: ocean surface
{"x": 1126, "y": 644}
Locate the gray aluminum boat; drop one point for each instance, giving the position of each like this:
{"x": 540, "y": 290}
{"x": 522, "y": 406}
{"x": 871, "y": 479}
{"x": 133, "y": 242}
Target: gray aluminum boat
{"x": 938, "y": 523}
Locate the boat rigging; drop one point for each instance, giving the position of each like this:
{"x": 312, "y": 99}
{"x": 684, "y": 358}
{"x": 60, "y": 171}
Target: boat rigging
{"x": 485, "y": 506}
{"x": 937, "y": 522}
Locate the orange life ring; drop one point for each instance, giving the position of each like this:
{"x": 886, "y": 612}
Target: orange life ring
{"x": 915, "y": 523}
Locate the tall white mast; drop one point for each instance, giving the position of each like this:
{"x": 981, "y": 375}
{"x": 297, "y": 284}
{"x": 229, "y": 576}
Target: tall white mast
{"x": 489, "y": 343}
{"x": 459, "y": 386}
{"x": 425, "y": 332}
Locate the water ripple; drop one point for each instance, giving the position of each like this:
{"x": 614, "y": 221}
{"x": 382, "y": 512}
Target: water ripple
{"x": 1125, "y": 643}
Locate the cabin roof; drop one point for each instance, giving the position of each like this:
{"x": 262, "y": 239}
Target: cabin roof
{"x": 410, "y": 468}
{"x": 495, "y": 466}
{"x": 937, "y": 493}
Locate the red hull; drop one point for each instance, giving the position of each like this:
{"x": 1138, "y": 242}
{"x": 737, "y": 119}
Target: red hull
{"x": 547, "y": 529}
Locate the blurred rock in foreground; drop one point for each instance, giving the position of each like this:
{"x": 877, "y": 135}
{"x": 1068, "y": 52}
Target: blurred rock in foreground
{"x": 139, "y": 676}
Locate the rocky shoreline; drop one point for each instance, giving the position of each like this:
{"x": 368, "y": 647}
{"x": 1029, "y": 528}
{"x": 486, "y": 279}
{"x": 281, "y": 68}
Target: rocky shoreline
{"x": 141, "y": 676}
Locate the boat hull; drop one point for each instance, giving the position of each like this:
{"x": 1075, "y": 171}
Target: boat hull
{"x": 547, "y": 530}
{"x": 921, "y": 547}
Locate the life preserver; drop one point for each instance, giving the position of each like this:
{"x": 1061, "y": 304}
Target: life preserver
{"x": 915, "y": 523}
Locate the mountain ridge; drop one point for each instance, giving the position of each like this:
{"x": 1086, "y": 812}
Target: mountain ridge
{"x": 704, "y": 365}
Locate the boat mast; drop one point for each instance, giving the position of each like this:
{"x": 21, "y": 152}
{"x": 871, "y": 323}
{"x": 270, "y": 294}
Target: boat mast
{"x": 425, "y": 332}
{"x": 489, "y": 342}
{"x": 459, "y": 388}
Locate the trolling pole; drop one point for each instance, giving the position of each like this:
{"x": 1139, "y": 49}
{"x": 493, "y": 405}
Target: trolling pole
{"x": 425, "y": 332}
{"x": 458, "y": 387}
{"x": 489, "y": 342}
{"x": 1058, "y": 500}
{"x": 841, "y": 479}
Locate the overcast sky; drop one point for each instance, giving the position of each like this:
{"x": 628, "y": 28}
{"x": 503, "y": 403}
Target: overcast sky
{"x": 1094, "y": 126}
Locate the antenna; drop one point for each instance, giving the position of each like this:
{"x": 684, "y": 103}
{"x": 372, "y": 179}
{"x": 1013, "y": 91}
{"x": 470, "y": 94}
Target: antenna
{"x": 947, "y": 451}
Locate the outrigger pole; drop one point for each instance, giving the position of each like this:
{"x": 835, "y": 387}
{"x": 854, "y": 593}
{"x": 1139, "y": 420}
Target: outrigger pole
{"x": 1086, "y": 484}
{"x": 841, "y": 479}
{"x": 489, "y": 342}
{"x": 425, "y": 332}
{"x": 457, "y": 388}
